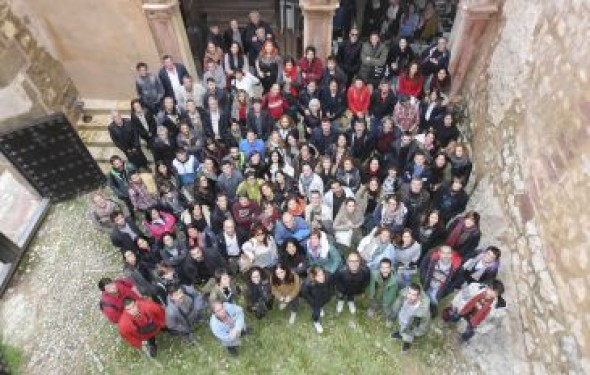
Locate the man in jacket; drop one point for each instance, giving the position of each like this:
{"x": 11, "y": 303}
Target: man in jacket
{"x": 252, "y": 144}
{"x": 171, "y": 75}
{"x": 184, "y": 311}
{"x": 438, "y": 272}
{"x": 351, "y": 280}
{"x": 140, "y": 322}
{"x": 124, "y": 232}
{"x": 291, "y": 227}
{"x": 435, "y": 57}
{"x": 373, "y": 59}
{"x": 413, "y": 315}
{"x": 199, "y": 267}
{"x": 451, "y": 199}
{"x": 382, "y": 291}
{"x": 113, "y": 294}
{"x": 229, "y": 179}
{"x": 416, "y": 199}
{"x": 118, "y": 179}
{"x": 216, "y": 120}
{"x": 324, "y": 136}
{"x": 149, "y": 88}
{"x": 229, "y": 243}
{"x": 332, "y": 72}
{"x": 259, "y": 120}
{"x": 362, "y": 143}
{"x": 382, "y": 102}
{"x": 228, "y": 324}
{"x": 349, "y": 55}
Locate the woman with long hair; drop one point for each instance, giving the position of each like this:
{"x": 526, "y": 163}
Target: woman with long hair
{"x": 285, "y": 285}
{"x": 292, "y": 255}
{"x": 240, "y": 107}
{"x": 407, "y": 255}
{"x": 339, "y": 151}
{"x": 258, "y": 295}
{"x": 268, "y": 65}
{"x": 326, "y": 170}
{"x": 430, "y": 232}
{"x": 317, "y": 290}
{"x": 464, "y": 234}
{"x": 276, "y": 162}
{"x": 260, "y": 250}
{"x": 411, "y": 82}
{"x": 235, "y": 60}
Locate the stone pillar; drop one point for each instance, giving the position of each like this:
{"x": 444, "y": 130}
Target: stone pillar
{"x": 472, "y": 19}
{"x": 168, "y": 31}
{"x": 317, "y": 24}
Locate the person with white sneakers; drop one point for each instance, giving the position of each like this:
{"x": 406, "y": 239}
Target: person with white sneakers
{"x": 285, "y": 285}
{"x": 351, "y": 280}
{"x": 317, "y": 290}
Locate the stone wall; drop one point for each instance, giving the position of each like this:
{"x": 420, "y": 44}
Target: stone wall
{"x": 98, "y": 42}
{"x": 529, "y": 100}
{"x": 32, "y": 82}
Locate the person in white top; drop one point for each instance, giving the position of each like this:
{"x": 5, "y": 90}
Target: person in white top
{"x": 190, "y": 90}
{"x": 245, "y": 81}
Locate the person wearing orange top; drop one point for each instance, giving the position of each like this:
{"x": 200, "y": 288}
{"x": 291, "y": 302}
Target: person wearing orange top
{"x": 359, "y": 98}
{"x": 140, "y": 322}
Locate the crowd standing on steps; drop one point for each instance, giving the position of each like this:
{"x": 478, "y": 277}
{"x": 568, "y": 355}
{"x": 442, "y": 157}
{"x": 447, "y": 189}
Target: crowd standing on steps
{"x": 344, "y": 180}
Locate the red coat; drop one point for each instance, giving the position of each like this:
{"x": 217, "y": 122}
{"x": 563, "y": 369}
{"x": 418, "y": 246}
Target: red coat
{"x": 479, "y": 315}
{"x": 408, "y": 86}
{"x": 157, "y": 230}
{"x": 358, "y": 100}
{"x": 276, "y": 105}
{"x": 112, "y": 305}
{"x": 311, "y": 71}
{"x": 129, "y": 326}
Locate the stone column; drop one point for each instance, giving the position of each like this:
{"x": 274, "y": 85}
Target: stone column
{"x": 317, "y": 24}
{"x": 168, "y": 31}
{"x": 472, "y": 19}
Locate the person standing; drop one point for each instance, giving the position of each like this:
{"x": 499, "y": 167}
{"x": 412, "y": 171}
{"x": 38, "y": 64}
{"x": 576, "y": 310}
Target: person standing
{"x": 140, "y": 323}
{"x": 351, "y": 280}
{"x": 184, "y": 310}
{"x": 228, "y": 324}
{"x": 413, "y": 315}
{"x": 382, "y": 291}
{"x": 126, "y": 137}
{"x": 317, "y": 290}
{"x": 149, "y": 88}
{"x": 114, "y": 293}
{"x": 171, "y": 75}
{"x": 285, "y": 286}
{"x": 349, "y": 55}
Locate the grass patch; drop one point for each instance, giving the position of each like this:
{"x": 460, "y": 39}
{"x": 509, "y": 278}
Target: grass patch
{"x": 12, "y": 357}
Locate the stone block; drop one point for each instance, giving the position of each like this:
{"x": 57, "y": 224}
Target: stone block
{"x": 9, "y": 29}
{"x": 547, "y": 288}
{"x": 12, "y": 61}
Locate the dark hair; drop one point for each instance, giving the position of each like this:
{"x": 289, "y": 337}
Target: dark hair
{"x": 310, "y": 48}
{"x": 133, "y": 103}
{"x": 385, "y": 260}
{"x": 261, "y": 271}
{"x": 102, "y": 283}
{"x": 497, "y": 286}
{"x": 497, "y": 252}
{"x": 331, "y": 58}
{"x": 289, "y": 275}
{"x": 219, "y": 273}
{"x": 113, "y": 158}
{"x": 473, "y": 215}
{"x": 211, "y": 79}
{"x": 349, "y": 199}
{"x": 415, "y": 286}
{"x": 148, "y": 213}
{"x": 313, "y": 273}
{"x": 115, "y": 214}
{"x": 166, "y": 56}
{"x": 257, "y": 228}
{"x": 173, "y": 288}
{"x": 140, "y": 65}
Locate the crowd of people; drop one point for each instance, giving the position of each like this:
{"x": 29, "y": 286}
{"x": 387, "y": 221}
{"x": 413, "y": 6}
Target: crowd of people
{"x": 279, "y": 180}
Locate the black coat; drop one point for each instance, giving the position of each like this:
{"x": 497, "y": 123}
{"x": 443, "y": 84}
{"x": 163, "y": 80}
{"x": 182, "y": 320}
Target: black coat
{"x": 317, "y": 295}
{"x": 348, "y": 283}
{"x": 321, "y": 141}
{"x": 221, "y": 245}
{"x": 188, "y": 270}
{"x": 468, "y": 247}
{"x": 381, "y": 108}
{"x": 228, "y": 38}
{"x": 123, "y": 240}
{"x": 361, "y": 148}
{"x": 125, "y": 137}
{"x": 152, "y": 125}
{"x": 266, "y": 124}
{"x": 163, "y": 151}
{"x": 224, "y": 122}
{"x": 333, "y": 106}
{"x": 449, "y": 203}
{"x": 436, "y": 116}
{"x": 250, "y": 32}
{"x": 349, "y": 57}
{"x": 180, "y": 71}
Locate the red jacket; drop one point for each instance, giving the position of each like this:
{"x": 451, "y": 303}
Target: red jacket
{"x": 358, "y": 100}
{"x": 130, "y": 327}
{"x": 408, "y": 86}
{"x": 276, "y": 105}
{"x": 157, "y": 230}
{"x": 112, "y": 305}
{"x": 311, "y": 71}
{"x": 478, "y": 315}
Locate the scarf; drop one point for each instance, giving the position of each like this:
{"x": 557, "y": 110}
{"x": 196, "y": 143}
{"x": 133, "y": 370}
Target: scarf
{"x": 459, "y": 162}
{"x": 306, "y": 182}
{"x": 460, "y": 234}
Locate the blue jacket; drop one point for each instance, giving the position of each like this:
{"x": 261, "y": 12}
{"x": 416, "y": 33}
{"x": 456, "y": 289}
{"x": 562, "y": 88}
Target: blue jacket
{"x": 300, "y": 231}
{"x": 222, "y": 330}
{"x": 247, "y": 148}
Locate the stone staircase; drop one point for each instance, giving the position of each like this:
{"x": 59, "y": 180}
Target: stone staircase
{"x": 95, "y": 134}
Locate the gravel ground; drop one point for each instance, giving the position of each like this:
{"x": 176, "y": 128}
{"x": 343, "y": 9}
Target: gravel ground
{"x": 51, "y": 310}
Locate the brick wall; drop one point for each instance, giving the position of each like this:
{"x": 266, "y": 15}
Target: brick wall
{"x": 529, "y": 101}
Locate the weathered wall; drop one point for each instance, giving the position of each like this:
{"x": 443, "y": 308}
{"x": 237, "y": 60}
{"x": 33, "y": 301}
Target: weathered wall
{"x": 32, "y": 81}
{"x": 98, "y": 42}
{"x": 529, "y": 99}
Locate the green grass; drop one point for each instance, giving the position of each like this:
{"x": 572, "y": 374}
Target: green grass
{"x": 13, "y": 357}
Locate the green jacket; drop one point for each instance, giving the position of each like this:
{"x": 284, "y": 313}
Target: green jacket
{"x": 118, "y": 184}
{"x": 420, "y": 321}
{"x": 384, "y": 293}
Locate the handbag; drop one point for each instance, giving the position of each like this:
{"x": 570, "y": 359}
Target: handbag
{"x": 378, "y": 72}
